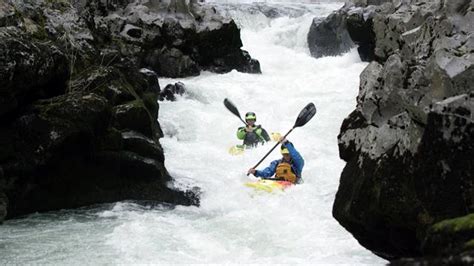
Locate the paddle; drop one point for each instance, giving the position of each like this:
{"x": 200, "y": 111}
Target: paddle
{"x": 305, "y": 115}
{"x": 231, "y": 107}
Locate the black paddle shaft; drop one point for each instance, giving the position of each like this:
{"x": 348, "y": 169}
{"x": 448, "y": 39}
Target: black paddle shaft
{"x": 305, "y": 115}
{"x": 231, "y": 107}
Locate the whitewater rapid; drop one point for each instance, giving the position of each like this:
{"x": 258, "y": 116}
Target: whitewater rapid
{"x": 233, "y": 224}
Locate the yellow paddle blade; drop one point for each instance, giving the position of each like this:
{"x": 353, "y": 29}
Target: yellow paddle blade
{"x": 275, "y": 136}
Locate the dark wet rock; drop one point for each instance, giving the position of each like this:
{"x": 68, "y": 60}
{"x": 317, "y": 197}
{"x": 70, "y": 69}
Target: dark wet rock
{"x": 365, "y": 3}
{"x": 7, "y": 15}
{"x": 171, "y": 90}
{"x": 151, "y": 80}
{"x": 134, "y": 116}
{"x": 449, "y": 242}
{"x": 453, "y": 236}
{"x": 78, "y": 109}
{"x": 41, "y": 70}
{"x": 174, "y": 43}
{"x": 409, "y": 143}
{"x": 3, "y": 197}
{"x": 172, "y": 63}
{"x": 241, "y": 62}
{"x": 3, "y": 206}
{"x": 329, "y": 36}
{"x": 360, "y": 28}
{"x": 142, "y": 145}
{"x": 463, "y": 259}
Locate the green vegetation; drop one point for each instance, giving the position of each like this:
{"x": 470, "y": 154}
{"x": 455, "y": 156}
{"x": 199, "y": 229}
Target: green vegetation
{"x": 456, "y": 224}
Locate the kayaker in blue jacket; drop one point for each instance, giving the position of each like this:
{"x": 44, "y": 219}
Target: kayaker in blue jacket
{"x": 288, "y": 168}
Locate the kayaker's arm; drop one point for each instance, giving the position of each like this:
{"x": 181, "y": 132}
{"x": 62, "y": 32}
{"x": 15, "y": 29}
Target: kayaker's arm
{"x": 241, "y": 133}
{"x": 265, "y": 135}
{"x": 267, "y": 172}
{"x": 296, "y": 156}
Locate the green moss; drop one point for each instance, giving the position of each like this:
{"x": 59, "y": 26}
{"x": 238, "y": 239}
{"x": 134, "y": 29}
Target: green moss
{"x": 456, "y": 224}
{"x": 151, "y": 102}
{"x": 41, "y": 33}
{"x": 469, "y": 245}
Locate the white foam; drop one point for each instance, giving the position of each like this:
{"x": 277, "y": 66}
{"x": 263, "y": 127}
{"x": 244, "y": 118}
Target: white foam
{"x": 233, "y": 224}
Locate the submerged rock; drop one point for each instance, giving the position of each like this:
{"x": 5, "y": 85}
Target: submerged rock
{"x": 171, "y": 90}
{"x": 409, "y": 142}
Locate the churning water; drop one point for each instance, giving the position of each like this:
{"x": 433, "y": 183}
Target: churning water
{"x": 233, "y": 224}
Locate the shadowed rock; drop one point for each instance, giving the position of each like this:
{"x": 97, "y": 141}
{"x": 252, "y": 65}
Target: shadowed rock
{"x": 409, "y": 142}
{"x": 78, "y": 110}
{"x": 173, "y": 39}
{"x": 329, "y": 36}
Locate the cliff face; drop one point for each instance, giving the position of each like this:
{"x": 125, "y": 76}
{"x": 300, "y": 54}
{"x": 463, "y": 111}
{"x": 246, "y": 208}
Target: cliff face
{"x": 409, "y": 144}
{"x": 170, "y": 42}
{"x": 78, "y": 97}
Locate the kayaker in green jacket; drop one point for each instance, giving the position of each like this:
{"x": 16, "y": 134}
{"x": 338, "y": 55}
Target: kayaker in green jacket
{"x": 252, "y": 134}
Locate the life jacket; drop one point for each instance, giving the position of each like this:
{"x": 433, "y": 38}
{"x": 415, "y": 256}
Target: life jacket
{"x": 255, "y": 137}
{"x": 284, "y": 171}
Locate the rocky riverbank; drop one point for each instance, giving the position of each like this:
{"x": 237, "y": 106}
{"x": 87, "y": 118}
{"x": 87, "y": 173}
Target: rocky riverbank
{"x": 78, "y": 100}
{"x": 409, "y": 144}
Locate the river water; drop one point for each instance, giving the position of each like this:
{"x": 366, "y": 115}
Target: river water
{"x": 234, "y": 224}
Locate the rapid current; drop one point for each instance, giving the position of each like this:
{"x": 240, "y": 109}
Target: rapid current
{"x": 234, "y": 224}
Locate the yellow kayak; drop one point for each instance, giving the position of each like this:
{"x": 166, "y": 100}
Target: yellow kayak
{"x": 237, "y": 150}
{"x": 269, "y": 185}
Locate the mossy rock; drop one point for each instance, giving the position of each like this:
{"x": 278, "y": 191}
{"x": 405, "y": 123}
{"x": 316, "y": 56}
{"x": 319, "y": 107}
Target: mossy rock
{"x": 151, "y": 102}
{"x": 31, "y": 70}
{"x": 80, "y": 111}
{"x": 455, "y": 225}
{"x": 450, "y": 236}
{"x": 134, "y": 116}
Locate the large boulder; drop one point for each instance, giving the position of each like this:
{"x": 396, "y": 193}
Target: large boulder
{"x": 329, "y": 36}
{"x": 78, "y": 111}
{"x": 449, "y": 242}
{"x": 41, "y": 69}
{"x": 171, "y": 41}
{"x": 172, "y": 63}
{"x": 409, "y": 142}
